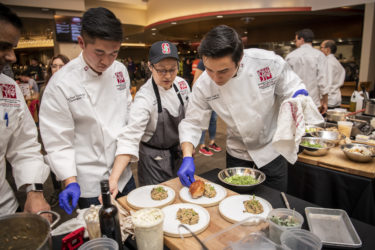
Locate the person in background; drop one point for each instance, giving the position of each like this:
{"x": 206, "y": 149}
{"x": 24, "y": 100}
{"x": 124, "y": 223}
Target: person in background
{"x": 245, "y": 88}
{"x": 18, "y": 134}
{"x": 311, "y": 66}
{"x": 151, "y": 135}
{"x": 25, "y": 78}
{"x": 203, "y": 149}
{"x": 186, "y": 73}
{"x": 85, "y": 106}
{"x": 56, "y": 63}
{"x": 336, "y": 73}
{"x": 34, "y": 70}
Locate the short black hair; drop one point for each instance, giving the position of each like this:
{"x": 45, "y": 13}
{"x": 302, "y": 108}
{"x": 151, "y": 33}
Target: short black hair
{"x": 331, "y": 45}
{"x": 8, "y": 16}
{"x": 306, "y": 34}
{"x": 101, "y": 23}
{"x": 222, "y": 41}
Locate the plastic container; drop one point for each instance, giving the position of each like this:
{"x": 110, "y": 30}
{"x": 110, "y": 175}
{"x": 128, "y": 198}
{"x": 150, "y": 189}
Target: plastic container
{"x": 300, "y": 239}
{"x": 345, "y": 128}
{"x": 91, "y": 217}
{"x": 254, "y": 241}
{"x": 276, "y": 230}
{"x": 100, "y": 244}
{"x": 148, "y": 228}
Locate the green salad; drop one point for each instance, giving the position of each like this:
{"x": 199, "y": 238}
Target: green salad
{"x": 241, "y": 180}
{"x": 285, "y": 221}
{"x": 311, "y": 145}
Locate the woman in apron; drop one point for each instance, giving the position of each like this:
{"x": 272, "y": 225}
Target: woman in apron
{"x": 151, "y": 135}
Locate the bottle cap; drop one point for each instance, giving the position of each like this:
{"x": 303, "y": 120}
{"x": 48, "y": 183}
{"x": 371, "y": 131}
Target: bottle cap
{"x": 104, "y": 186}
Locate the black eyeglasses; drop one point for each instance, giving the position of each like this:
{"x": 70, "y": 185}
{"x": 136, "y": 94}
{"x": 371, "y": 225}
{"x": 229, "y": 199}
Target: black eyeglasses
{"x": 163, "y": 72}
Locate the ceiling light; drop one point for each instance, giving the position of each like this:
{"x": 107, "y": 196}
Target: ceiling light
{"x": 219, "y": 16}
{"x": 153, "y": 34}
{"x": 153, "y": 29}
{"x": 173, "y": 23}
{"x": 245, "y": 32}
{"x": 247, "y": 19}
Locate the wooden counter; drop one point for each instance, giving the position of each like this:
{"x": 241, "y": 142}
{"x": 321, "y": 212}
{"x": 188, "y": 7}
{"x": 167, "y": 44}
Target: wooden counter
{"x": 336, "y": 160}
{"x": 217, "y": 223}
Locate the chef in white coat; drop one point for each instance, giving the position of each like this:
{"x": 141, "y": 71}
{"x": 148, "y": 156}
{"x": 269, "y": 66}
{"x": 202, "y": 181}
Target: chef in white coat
{"x": 245, "y": 88}
{"x": 335, "y": 71}
{"x": 151, "y": 135}
{"x": 84, "y": 107}
{"x": 18, "y": 134}
{"x": 311, "y": 66}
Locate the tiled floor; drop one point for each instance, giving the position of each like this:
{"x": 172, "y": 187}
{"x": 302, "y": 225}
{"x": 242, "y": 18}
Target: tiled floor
{"x": 202, "y": 164}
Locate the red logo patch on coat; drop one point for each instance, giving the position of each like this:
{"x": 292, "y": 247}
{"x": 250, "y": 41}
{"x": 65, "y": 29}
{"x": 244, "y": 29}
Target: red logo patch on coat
{"x": 264, "y": 74}
{"x": 182, "y": 85}
{"x": 8, "y": 91}
{"x": 120, "y": 77}
{"x": 165, "y": 49}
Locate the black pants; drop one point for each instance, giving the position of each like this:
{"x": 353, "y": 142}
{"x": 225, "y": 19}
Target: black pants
{"x": 276, "y": 171}
{"x": 86, "y": 202}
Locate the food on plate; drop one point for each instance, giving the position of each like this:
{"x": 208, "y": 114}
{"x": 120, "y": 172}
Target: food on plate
{"x": 241, "y": 180}
{"x": 253, "y": 206}
{"x": 345, "y": 141}
{"x": 159, "y": 193}
{"x": 209, "y": 191}
{"x": 312, "y": 129}
{"x": 196, "y": 189}
{"x": 187, "y": 216}
{"x": 285, "y": 221}
{"x": 359, "y": 150}
{"x": 312, "y": 144}
{"x": 332, "y": 129}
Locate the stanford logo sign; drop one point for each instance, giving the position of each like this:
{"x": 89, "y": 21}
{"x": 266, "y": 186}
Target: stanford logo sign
{"x": 264, "y": 74}
{"x": 8, "y": 91}
{"x": 165, "y": 49}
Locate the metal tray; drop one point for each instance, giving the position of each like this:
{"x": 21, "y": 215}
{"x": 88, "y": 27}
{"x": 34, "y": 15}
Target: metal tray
{"x": 333, "y": 227}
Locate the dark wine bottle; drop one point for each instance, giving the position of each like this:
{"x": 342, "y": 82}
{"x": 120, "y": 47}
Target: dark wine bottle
{"x": 108, "y": 216}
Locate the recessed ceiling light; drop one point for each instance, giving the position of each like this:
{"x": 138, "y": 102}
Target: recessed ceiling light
{"x": 173, "y": 23}
{"x": 153, "y": 34}
{"x": 245, "y": 32}
{"x": 126, "y": 38}
{"x": 220, "y": 16}
{"x": 153, "y": 29}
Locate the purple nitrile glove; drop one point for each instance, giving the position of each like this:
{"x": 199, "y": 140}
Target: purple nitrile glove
{"x": 300, "y": 92}
{"x": 72, "y": 192}
{"x": 186, "y": 171}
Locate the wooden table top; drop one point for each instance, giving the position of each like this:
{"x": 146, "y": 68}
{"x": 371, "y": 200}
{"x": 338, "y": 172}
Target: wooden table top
{"x": 217, "y": 224}
{"x": 336, "y": 160}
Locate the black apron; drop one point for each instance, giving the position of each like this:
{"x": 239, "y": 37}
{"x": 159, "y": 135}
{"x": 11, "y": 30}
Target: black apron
{"x": 161, "y": 156}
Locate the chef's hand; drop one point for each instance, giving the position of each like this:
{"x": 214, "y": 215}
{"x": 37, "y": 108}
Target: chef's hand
{"x": 113, "y": 188}
{"x": 35, "y": 203}
{"x": 72, "y": 192}
{"x": 186, "y": 171}
{"x": 300, "y": 92}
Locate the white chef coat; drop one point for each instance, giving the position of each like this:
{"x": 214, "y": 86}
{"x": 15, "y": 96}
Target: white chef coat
{"x": 81, "y": 116}
{"x": 336, "y": 78}
{"x": 144, "y": 115}
{"x": 18, "y": 144}
{"x": 311, "y": 66}
{"x": 248, "y": 103}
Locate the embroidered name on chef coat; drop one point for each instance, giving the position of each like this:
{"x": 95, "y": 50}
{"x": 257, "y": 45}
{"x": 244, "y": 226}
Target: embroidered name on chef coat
{"x": 211, "y": 98}
{"x": 9, "y": 96}
{"x": 121, "y": 84}
{"x": 76, "y": 97}
{"x": 265, "y": 78}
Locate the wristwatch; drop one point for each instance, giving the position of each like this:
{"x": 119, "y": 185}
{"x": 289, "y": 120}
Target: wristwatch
{"x": 36, "y": 187}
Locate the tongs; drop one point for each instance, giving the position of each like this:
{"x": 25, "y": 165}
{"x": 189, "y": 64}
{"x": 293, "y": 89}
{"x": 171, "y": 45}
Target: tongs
{"x": 193, "y": 234}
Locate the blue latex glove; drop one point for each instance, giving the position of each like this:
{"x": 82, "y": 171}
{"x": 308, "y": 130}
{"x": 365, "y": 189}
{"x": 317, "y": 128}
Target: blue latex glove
{"x": 300, "y": 92}
{"x": 72, "y": 192}
{"x": 186, "y": 171}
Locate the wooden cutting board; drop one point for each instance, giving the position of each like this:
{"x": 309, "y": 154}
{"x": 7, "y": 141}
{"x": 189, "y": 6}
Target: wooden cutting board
{"x": 336, "y": 160}
{"x": 217, "y": 224}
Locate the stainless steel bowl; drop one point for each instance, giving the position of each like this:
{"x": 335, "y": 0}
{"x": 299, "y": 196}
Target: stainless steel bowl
{"x": 257, "y": 174}
{"x": 331, "y": 136}
{"x": 358, "y": 157}
{"x": 326, "y": 145}
{"x": 309, "y": 129}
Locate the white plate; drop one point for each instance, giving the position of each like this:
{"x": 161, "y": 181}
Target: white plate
{"x": 170, "y": 225}
{"x": 141, "y": 197}
{"x": 232, "y": 209}
{"x": 221, "y": 193}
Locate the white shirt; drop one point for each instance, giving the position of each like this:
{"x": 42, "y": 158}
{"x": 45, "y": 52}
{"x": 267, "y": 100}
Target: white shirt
{"x": 311, "y": 66}
{"x": 81, "y": 116}
{"x": 336, "y": 78}
{"x": 144, "y": 115}
{"x": 18, "y": 144}
{"x": 248, "y": 103}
